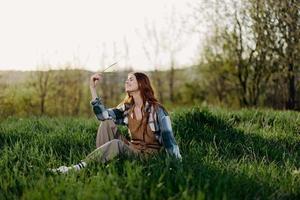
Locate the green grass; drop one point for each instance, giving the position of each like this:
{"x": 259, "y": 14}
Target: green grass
{"x": 246, "y": 154}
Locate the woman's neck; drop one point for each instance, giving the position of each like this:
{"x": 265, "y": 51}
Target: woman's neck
{"x": 138, "y": 100}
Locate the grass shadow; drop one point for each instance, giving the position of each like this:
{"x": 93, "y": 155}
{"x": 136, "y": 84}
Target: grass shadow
{"x": 203, "y": 126}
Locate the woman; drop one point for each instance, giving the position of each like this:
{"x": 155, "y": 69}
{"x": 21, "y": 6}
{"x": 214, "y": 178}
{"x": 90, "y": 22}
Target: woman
{"x": 148, "y": 123}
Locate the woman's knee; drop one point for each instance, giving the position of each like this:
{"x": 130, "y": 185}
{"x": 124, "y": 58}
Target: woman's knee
{"x": 107, "y": 123}
{"x": 117, "y": 144}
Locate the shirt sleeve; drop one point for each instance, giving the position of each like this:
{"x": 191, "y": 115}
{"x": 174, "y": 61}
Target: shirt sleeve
{"x": 167, "y": 135}
{"x": 102, "y": 113}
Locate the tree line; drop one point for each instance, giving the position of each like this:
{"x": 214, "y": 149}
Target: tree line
{"x": 66, "y": 92}
{"x": 249, "y": 58}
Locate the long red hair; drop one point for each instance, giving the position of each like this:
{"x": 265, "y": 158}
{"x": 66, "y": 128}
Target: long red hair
{"x": 146, "y": 90}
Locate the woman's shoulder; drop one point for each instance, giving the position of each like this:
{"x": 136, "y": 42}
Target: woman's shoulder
{"x": 161, "y": 110}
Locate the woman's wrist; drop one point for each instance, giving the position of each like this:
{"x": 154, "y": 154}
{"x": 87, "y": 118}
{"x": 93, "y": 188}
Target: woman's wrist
{"x": 93, "y": 92}
{"x": 93, "y": 85}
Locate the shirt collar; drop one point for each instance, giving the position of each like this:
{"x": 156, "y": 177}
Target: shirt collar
{"x": 147, "y": 107}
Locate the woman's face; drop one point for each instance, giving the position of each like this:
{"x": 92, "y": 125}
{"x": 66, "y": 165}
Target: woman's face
{"x": 131, "y": 84}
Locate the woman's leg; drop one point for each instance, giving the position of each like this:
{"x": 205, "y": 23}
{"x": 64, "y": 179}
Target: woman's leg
{"x": 110, "y": 143}
{"x": 108, "y": 131}
{"x": 110, "y": 150}
{"x": 102, "y": 154}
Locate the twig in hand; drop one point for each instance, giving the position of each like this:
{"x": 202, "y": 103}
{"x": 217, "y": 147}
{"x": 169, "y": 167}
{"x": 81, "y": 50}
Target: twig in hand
{"x": 109, "y": 67}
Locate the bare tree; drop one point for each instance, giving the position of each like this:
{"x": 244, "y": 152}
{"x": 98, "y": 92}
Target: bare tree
{"x": 287, "y": 22}
{"x": 173, "y": 40}
{"x": 151, "y": 43}
{"x": 41, "y": 81}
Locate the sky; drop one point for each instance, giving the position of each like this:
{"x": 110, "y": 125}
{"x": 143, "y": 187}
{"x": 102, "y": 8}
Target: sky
{"x": 39, "y": 33}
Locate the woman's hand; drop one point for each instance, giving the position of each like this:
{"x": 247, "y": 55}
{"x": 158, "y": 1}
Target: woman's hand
{"x": 95, "y": 78}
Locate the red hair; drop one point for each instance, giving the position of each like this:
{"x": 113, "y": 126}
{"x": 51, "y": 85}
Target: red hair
{"x": 146, "y": 90}
{"x": 147, "y": 94}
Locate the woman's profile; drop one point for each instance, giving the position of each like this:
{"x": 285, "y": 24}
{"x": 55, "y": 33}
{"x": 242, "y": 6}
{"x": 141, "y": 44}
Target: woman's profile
{"x": 147, "y": 120}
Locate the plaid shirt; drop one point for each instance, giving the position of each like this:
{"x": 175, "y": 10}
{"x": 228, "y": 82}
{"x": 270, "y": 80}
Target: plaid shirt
{"x": 159, "y": 122}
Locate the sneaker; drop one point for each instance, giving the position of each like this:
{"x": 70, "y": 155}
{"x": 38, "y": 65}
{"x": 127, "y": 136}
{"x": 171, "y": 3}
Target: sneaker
{"x": 61, "y": 170}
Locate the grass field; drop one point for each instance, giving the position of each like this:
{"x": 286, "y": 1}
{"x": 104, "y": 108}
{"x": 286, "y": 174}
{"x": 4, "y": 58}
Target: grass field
{"x": 246, "y": 154}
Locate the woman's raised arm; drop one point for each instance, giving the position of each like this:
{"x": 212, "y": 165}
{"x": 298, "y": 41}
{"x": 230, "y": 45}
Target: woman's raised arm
{"x": 99, "y": 109}
{"x": 93, "y": 83}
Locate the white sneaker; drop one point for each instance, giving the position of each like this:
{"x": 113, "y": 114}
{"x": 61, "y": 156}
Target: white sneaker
{"x": 61, "y": 169}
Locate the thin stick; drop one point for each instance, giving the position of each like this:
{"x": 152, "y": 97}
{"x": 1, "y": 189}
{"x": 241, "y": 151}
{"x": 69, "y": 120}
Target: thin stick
{"x": 109, "y": 67}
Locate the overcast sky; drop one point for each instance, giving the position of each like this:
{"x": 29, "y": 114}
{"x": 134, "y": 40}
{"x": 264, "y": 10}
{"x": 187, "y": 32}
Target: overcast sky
{"x": 55, "y": 32}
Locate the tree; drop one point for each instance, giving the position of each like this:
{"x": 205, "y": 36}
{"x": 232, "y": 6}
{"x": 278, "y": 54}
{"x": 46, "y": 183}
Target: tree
{"x": 261, "y": 41}
{"x": 42, "y": 81}
{"x": 173, "y": 40}
{"x": 66, "y": 96}
{"x": 287, "y": 21}
{"x": 151, "y": 43}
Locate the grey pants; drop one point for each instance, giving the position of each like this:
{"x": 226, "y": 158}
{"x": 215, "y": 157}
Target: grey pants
{"x": 109, "y": 144}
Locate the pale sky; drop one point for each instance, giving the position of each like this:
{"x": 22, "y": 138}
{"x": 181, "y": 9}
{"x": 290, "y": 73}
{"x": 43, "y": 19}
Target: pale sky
{"x": 55, "y": 32}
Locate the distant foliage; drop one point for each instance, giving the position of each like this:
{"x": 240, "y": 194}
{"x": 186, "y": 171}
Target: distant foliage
{"x": 66, "y": 92}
